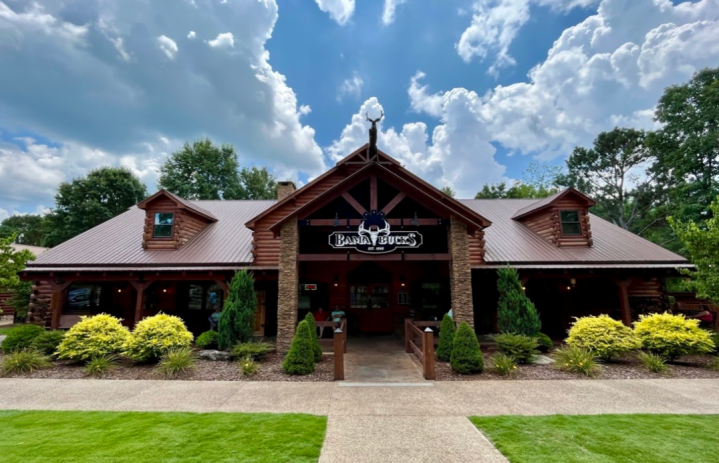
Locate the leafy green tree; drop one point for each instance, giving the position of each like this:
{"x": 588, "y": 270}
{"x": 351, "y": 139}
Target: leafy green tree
{"x": 300, "y": 360}
{"x": 702, "y": 242}
{"x": 446, "y": 339}
{"x": 202, "y": 170}
{"x": 466, "y": 354}
{"x": 614, "y": 172}
{"x": 310, "y": 319}
{"x": 687, "y": 145}
{"x": 256, "y": 183}
{"x": 238, "y": 314}
{"x": 11, "y": 262}
{"x": 89, "y": 201}
{"x": 516, "y": 314}
{"x": 449, "y": 191}
{"x": 28, "y": 229}
{"x": 538, "y": 181}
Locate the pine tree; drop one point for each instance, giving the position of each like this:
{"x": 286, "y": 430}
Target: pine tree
{"x": 239, "y": 312}
{"x": 300, "y": 360}
{"x": 516, "y": 314}
{"x": 466, "y": 354}
{"x": 446, "y": 339}
{"x": 317, "y": 349}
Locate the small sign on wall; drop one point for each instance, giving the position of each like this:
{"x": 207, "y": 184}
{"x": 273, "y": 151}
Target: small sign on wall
{"x": 311, "y": 287}
{"x": 403, "y": 297}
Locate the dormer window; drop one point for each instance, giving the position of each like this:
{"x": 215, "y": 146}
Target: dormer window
{"x": 163, "y": 225}
{"x": 570, "y": 223}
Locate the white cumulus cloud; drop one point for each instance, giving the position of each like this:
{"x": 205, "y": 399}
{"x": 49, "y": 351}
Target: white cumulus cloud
{"x": 389, "y": 10}
{"x": 224, "y": 40}
{"x": 339, "y": 10}
{"x": 351, "y": 87}
{"x": 168, "y": 46}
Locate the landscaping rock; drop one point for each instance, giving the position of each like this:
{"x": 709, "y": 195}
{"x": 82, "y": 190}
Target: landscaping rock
{"x": 542, "y": 360}
{"x": 216, "y": 355}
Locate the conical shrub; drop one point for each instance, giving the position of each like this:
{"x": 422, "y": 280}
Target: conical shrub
{"x": 466, "y": 354}
{"x": 446, "y": 339}
{"x": 300, "y": 360}
{"x": 310, "y": 319}
{"x": 516, "y": 314}
{"x": 238, "y": 314}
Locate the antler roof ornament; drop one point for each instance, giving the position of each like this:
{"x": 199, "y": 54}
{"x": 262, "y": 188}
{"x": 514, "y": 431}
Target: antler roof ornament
{"x": 372, "y": 150}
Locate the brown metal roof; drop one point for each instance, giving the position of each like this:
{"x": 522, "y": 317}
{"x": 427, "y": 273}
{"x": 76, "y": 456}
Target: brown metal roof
{"x": 227, "y": 242}
{"x": 187, "y": 204}
{"x": 119, "y": 241}
{"x": 537, "y": 205}
{"x": 509, "y": 240}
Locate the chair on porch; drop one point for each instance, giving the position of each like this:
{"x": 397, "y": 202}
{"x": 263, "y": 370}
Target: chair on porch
{"x": 691, "y": 310}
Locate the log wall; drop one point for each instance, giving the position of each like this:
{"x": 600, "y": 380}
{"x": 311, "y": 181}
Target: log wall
{"x": 547, "y": 223}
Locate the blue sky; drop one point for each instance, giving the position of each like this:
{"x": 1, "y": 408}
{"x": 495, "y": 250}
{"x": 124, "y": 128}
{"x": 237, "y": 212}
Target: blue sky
{"x": 473, "y": 90}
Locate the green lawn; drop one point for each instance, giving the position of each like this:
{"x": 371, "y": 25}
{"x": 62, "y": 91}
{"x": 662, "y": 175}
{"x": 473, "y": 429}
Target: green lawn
{"x": 604, "y": 438}
{"x": 138, "y": 437}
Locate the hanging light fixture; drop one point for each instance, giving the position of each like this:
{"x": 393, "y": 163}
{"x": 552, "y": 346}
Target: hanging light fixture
{"x": 415, "y": 220}
{"x": 337, "y": 219}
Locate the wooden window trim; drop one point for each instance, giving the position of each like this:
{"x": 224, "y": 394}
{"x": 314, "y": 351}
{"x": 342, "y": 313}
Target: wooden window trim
{"x": 578, "y": 222}
{"x": 172, "y": 229}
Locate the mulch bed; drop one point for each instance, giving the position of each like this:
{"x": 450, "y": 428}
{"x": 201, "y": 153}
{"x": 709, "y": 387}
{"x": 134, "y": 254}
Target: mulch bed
{"x": 689, "y": 367}
{"x": 207, "y": 370}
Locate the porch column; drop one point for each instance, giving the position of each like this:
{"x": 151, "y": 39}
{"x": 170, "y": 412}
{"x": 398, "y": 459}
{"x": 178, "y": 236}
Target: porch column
{"x": 57, "y": 303}
{"x": 460, "y": 273}
{"x": 624, "y": 300}
{"x": 140, "y": 288}
{"x": 287, "y": 298}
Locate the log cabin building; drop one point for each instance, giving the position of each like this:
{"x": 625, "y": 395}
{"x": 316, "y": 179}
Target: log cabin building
{"x": 367, "y": 236}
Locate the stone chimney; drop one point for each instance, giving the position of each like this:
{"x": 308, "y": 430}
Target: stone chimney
{"x": 284, "y": 189}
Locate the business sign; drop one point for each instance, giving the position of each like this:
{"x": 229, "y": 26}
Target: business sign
{"x": 374, "y": 236}
{"x": 311, "y": 287}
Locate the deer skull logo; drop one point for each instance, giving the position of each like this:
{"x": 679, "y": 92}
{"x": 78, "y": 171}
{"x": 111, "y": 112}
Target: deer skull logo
{"x": 374, "y": 226}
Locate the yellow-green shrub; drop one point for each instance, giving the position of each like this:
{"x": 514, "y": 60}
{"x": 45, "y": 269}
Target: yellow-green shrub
{"x": 94, "y": 336}
{"x": 603, "y": 336}
{"x": 155, "y": 336}
{"x": 672, "y": 336}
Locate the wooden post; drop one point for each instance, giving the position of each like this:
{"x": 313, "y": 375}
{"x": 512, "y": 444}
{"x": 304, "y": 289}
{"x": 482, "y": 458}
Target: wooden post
{"x": 407, "y": 335}
{"x": 339, "y": 355}
{"x": 225, "y": 290}
{"x": 624, "y": 301}
{"x": 57, "y": 303}
{"x": 428, "y": 353}
{"x": 140, "y": 288}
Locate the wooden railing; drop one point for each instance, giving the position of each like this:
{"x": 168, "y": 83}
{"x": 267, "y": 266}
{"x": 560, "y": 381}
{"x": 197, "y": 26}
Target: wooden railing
{"x": 421, "y": 343}
{"x": 339, "y": 330}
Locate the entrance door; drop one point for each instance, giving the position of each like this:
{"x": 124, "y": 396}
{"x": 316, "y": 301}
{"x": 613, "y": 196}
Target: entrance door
{"x": 371, "y": 303}
{"x": 259, "y": 322}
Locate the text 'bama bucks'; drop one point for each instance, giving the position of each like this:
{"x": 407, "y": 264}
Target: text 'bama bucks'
{"x": 375, "y": 237}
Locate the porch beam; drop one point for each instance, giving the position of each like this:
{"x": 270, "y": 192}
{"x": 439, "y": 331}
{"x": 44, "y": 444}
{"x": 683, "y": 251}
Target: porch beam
{"x": 372, "y": 257}
{"x": 225, "y": 288}
{"x": 392, "y": 204}
{"x": 353, "y": 202}
{"x": 623, "y": 286}
{"x": 140, "y": 287}
{"x": 355, "y": 222}
{"x": 57, "y": 302}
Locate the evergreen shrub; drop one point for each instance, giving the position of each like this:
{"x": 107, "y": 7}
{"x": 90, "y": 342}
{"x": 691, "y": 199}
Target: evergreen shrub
{"x": 466, "y": 354}
{"x": 21, "y": 337}
{"x": 48, "y": 341}
{"x": 238, "y": 315}
{"x": 516, "y": 314}
{"x": 92, "y": 337}
{"x": 446, "y": 339}
{"x": 317, "y": 349}
{"x": 544, "y": 342}
{"x": 522, "y": 348}
{"x": 207, "y": 340}
{"x": 254, "y": 350}
{"x": 156, "y": 335}
{"x": 300, "y": 360}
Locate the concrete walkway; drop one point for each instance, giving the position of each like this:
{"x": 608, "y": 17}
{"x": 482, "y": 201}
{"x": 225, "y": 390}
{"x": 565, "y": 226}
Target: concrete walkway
{"x": 374, "y": 424}
{"x": 380, "y": 359}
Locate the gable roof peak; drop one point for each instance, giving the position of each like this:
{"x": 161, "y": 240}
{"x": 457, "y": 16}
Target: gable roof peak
{"x": 181, "y": 203}
{"x": 549, "y": 200}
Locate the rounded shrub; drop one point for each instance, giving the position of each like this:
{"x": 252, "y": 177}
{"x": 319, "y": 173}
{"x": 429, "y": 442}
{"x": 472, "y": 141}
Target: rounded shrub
{"x": 207, "y": 340}
{"x": 446, "y": 339}
{"x": 604, "y": 336}
{"x": 21, "y": 337}
{"x": 521, "y": 348}
{"x": 300, "y": 360}
{"x": 48, "y": 341}
{"x": 672, "y": 336}
{"x": 92, "y": 337}
{"x": 316, "y": 348}
{"x": 544, "y": 342}
{"x": 155, "y": 336}
{"x": 466, "y": 354}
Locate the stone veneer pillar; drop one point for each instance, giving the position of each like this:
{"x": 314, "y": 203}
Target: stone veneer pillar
{"x": 460, "y": 273}
{"x": 287, "y": 299}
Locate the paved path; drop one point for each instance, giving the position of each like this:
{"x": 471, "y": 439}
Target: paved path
{"x": 380, "y": 359}
{"x": 375, "y": 424}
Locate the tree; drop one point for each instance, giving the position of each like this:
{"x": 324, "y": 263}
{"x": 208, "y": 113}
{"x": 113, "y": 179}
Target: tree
{"x": 466, "y": 354}
{"x": 538, "y": 181}
{"x": 202, "y": 170}
{"x": 29, "y": 229}
{"x": 317, "y": 349}
{"x": 702, "y": 242}
{"x": 256, "y": 183}
{"x": 88, "y": 201}
{"x": 11, "y": 262}
{"x": 448, "y": 191}
{"x": 446, "y": 339}
{"x": 238, "y": 314}
{"x": 687, "y": 145}
{"x": 516, "y": 314}
{"x": 300, "y": 360}
{"x": 614, "y": 172}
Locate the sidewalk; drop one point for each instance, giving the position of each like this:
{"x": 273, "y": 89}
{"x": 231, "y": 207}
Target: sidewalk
{"x": 386, "y": 423}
